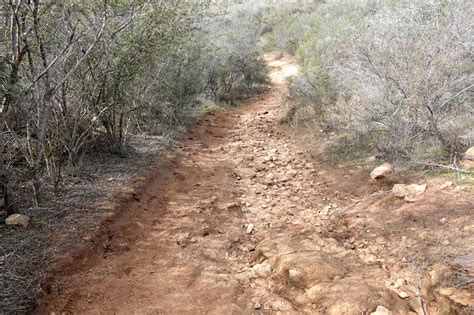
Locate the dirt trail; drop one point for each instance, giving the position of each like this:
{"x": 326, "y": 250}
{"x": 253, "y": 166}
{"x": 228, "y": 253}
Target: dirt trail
{"x": 244, "y": 221}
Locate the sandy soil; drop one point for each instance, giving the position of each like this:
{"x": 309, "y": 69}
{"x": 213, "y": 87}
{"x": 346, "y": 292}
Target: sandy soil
{"x": 244, "y": 220}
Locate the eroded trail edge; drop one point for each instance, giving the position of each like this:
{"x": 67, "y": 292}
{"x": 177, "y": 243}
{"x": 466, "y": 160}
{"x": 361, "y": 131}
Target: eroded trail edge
{"x": 244, "y": 221}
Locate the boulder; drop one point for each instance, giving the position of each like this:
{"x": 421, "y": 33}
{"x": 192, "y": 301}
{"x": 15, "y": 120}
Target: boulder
{"x": 17, "y": 220}
{"x": 382, "y": 171}
{"x": 410, "y": 193}
{"x": 469, "y": 155}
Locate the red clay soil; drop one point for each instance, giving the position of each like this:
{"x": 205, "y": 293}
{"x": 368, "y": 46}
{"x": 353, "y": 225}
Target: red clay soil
{"x": 242, "y": 220}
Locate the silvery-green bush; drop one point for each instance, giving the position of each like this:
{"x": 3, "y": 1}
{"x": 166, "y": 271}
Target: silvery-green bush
{"x": 399, "y": 73}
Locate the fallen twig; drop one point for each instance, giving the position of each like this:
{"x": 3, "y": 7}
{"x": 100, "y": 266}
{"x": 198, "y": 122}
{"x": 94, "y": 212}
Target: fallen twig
{"x": 445, "y": 167}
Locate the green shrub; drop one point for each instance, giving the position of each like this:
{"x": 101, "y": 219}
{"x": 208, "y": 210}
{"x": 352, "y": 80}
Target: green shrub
{"x": 400, "y": 70}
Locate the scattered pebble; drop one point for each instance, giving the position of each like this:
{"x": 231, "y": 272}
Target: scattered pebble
{"x": 250, "y": 228}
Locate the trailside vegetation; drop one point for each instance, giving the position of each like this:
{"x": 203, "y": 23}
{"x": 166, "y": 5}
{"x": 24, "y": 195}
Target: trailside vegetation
{"x": 391, "y": 78}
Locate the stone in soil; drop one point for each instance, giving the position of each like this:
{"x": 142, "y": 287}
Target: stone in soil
{"x": 17, "y": 220}
{"x": 382, "y": 171}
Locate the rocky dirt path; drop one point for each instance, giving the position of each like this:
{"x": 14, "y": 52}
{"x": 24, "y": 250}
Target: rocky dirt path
{"x": 244, "y": 221}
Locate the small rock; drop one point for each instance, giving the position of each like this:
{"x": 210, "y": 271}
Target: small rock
{"x": 371, "y": 159}
{"x": 293, "y": 274}
{"x": 260, "y": 168}
{"x": 233, "y": 206}
{"x": 417, "y": 305}
{"x": 400, "y": 282}
{"x": 17, "y": 220}
{"x": 292, "y": 173}
{"x": 257, "y": 305}
{"x": 382, "y": 171}
{"x": 446, "y": 185}
{"x": 446, "y": 291}
{"x": 247, "y": 248}
{"x": 349, "y": 246}
{"x": 250, "y": 228}
{"x": 262, "y": 270}
{"x": 269, "y": 158}
{"x": 182, "y": 239}
{"x": 381, "y": 311}
{"x": 459, "y": 188}
{"x": 244, "y": 277}
{"x": 279, "y": 305}
{"x": 410, "y": 193}
{"x": 283, "y": 179}
{"x": 462, "y": 297}
{"x": 368, "y": 258}
{"x": 233, "y": 235}
{"x": 403, "y": 294}
{"x": 468, "y": 228}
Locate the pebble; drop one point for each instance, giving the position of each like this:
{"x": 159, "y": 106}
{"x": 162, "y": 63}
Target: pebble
{"x": 250, "y": 228}
{"x": 262, "y": 270}
{"x": 349, "y": 246}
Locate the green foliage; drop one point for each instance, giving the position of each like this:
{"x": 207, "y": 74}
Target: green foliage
{"x": 235, "y": 66}
{"x": 101, "y": 70}
{"x": 401, "y": 71}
